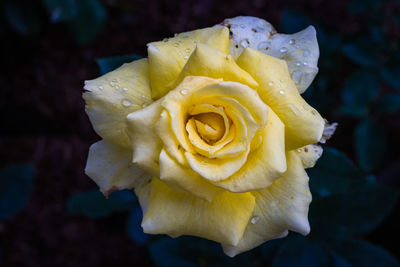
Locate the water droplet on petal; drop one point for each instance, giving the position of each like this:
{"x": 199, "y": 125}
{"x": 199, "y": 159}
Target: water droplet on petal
{"x": 117, "y": 87}
{"x": 294, "y": 109}
{"x": 125, "y": 89}
{"x": 305, "y": 107}
{"x": 126, "y": 103}
{"x": 305, "y": 63}
{"x": 271, "y": 83}
{"x": 186, "y": 57}
{"x": 283, "y": 50}
{"x": 112, "y": 84}
{"x": 306, "y": 53}
{"x": 303, "y": 40}
{"x": 292, "y": 41}
{"x": 242, "y": 26}
{"x": 281, "y": 92}
{"x": 184, "y": 92}
{"x": 255, "y": 219}
{"x": 187, "y": 50}
{"x": 114, "y": 80}
{"x": 299, "y": 150}
{"x": 296, "y": 76}
{"x": 298, "y": 63}
{"x": 101, "y": 87}
{"x": 314, "y": 112}
{"x": 244, "y": 43}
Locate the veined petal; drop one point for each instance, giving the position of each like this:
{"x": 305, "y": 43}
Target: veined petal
{"x": 303, "y": 124}
{"x": 211, "y": 62}
{"x": 281, "y": 206}
{"x": 183, "y": 178}
{"x": 309, "y": 155}
{"x": 168, "y": 57}
{"x": 264, "y": 164}
{"x": 114, "y": 95}
{"x": 176, "y": 213}
{"x": 146, "y": 144}
{"x": 111, "y": 168}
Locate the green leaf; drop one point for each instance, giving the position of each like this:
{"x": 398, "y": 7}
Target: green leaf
{"x": 22, "y": 17}
{"x": 369, "y": 140}
{"x": 111, "y": 63}
{"x": 388, "y": 104}
{"x": 361, "y": 253}
{"x": 88, "y": 22}
{"x": 16, "y": 184}
{"x": 134, "y": 229}
{"x": 359, "y": 91}
{"x": 61, "y": 10}
{"x": 391, "y": 76}
{"x": 336, "y": 185}
{"x": 360, "y": 55}
{"x": 93, "y": 204}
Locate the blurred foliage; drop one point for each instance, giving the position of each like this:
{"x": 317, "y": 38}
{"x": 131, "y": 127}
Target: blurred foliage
{"x": 111, "y": 63}
{"x": 16, "y": 184}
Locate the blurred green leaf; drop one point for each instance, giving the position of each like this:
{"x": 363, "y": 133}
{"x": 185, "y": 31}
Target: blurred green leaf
{"x": 111, "y": 63}
{"x": 88, "y": 22}
{"x": 388, "y": 104}
{"x": 361, "y": 55}
{"x": 358, "y": 92}
{"x": 93, "y": 204}
{"x": 22, "y": 17}
{"x": 369, "y": 140}
{"x": 16, "y": 184}
{"x": 336, "y": 185}
{"x": 358, "y": 7}
{"x": 61, "y": 10}
{"x": 134, "y": 229}
{"x": 391, "y": 76}
{"x": 294, "y": 21}
{"x": 361, "y": 253}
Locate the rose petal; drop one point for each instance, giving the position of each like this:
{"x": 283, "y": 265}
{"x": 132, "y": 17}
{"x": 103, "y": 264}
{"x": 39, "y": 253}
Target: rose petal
{"x": 211, "y": 62}
{"x": 167, "y": 58}
{"x": 114, "y": 95}
{"x": 183, "y": 178}
{"x": 111, "y": 168}
{"x": 176, "y": 213}
{"x": 265, "y": 164}
{"x": 309, "y": 155}
{"x": 281, "y": 206}
{"x": 303, "y": 124}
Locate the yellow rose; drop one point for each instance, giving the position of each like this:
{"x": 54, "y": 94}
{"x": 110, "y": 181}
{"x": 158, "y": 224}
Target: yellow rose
{"x": 212, "y": 133}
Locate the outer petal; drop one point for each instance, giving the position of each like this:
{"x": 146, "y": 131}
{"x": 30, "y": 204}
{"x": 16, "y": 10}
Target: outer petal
{"x": 210, "y": 62}
{"x": 283, "y": 205}
{"x": 303, "y": 124}
{"x": 300, "y": 50}
{"x": 113, "y": 96}
{"x": 111, "y": 168}
{"x": 183, "y": 178}
{"x": 146, "y": 144}
{"x": 176, "y": 213}
{"x": 309, "y": 155}
{"x": 168, "y": 57}
{"x": 265, "y": 164}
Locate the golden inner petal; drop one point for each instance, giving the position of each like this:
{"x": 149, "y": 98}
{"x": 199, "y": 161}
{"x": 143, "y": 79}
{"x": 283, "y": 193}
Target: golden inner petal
{"x": 210, "y": 126}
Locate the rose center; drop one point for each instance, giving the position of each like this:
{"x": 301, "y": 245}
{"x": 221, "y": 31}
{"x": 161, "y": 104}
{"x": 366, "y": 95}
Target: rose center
{"x": 210, "y": 126}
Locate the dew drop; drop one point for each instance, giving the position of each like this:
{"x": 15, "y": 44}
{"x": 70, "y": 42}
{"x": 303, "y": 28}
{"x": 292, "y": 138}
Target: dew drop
{"x": 281, "y": 92}
{"x": 255, "y": 219}
{"x": 186, "y": 57}
{"x": 112, "y": 83}
{"x": 184, "y": 92}
{"x": 187, "y": 50}
{"x": 244, "y": 43}
{"x": 305, "y": 107}
{"x": 292, "y": 41}
{"x": 271, "y": 83}
{"x": 298, "y": 46}
{"x": 283, "y": 50}
{"x": 298, "y": 63}
{"x": 305, "y": 63}
{"x": 296, "y": 76}
{"x": 126, "y": 103}
{"x": 242, "y": 26}
{"x": 314, "y": 112}
{"x": 303, "y": 40}
{"x": 117, "y": 87}
{"x": 101, "y": 87}
{"x": 299, "y": 150}
{"x": 306, "y": 53}
{"x": 294, "y": 109}
{"x": 125, "y": 89}
{"x": 114, "y": 80}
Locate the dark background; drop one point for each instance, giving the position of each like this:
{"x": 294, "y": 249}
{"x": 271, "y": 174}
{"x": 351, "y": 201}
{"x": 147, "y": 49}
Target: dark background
{"x": 45, "y": 57}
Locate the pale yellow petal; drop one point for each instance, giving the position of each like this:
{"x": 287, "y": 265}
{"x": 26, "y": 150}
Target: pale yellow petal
{"x": 114, "y": 95}
{"x": 111, "y": 168}
{"x": 265, "y": 163}
{"x": 184, "y": 178}
{"x": 280, "y": 207}
{"x": 146, "y": 144}
{"x": 211, "y": 62}
{"x": 168, "y": 57}
{"x": 303, "y": 124}
{"x": 176, "y": 213}
{"x": 309, "y": 155}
